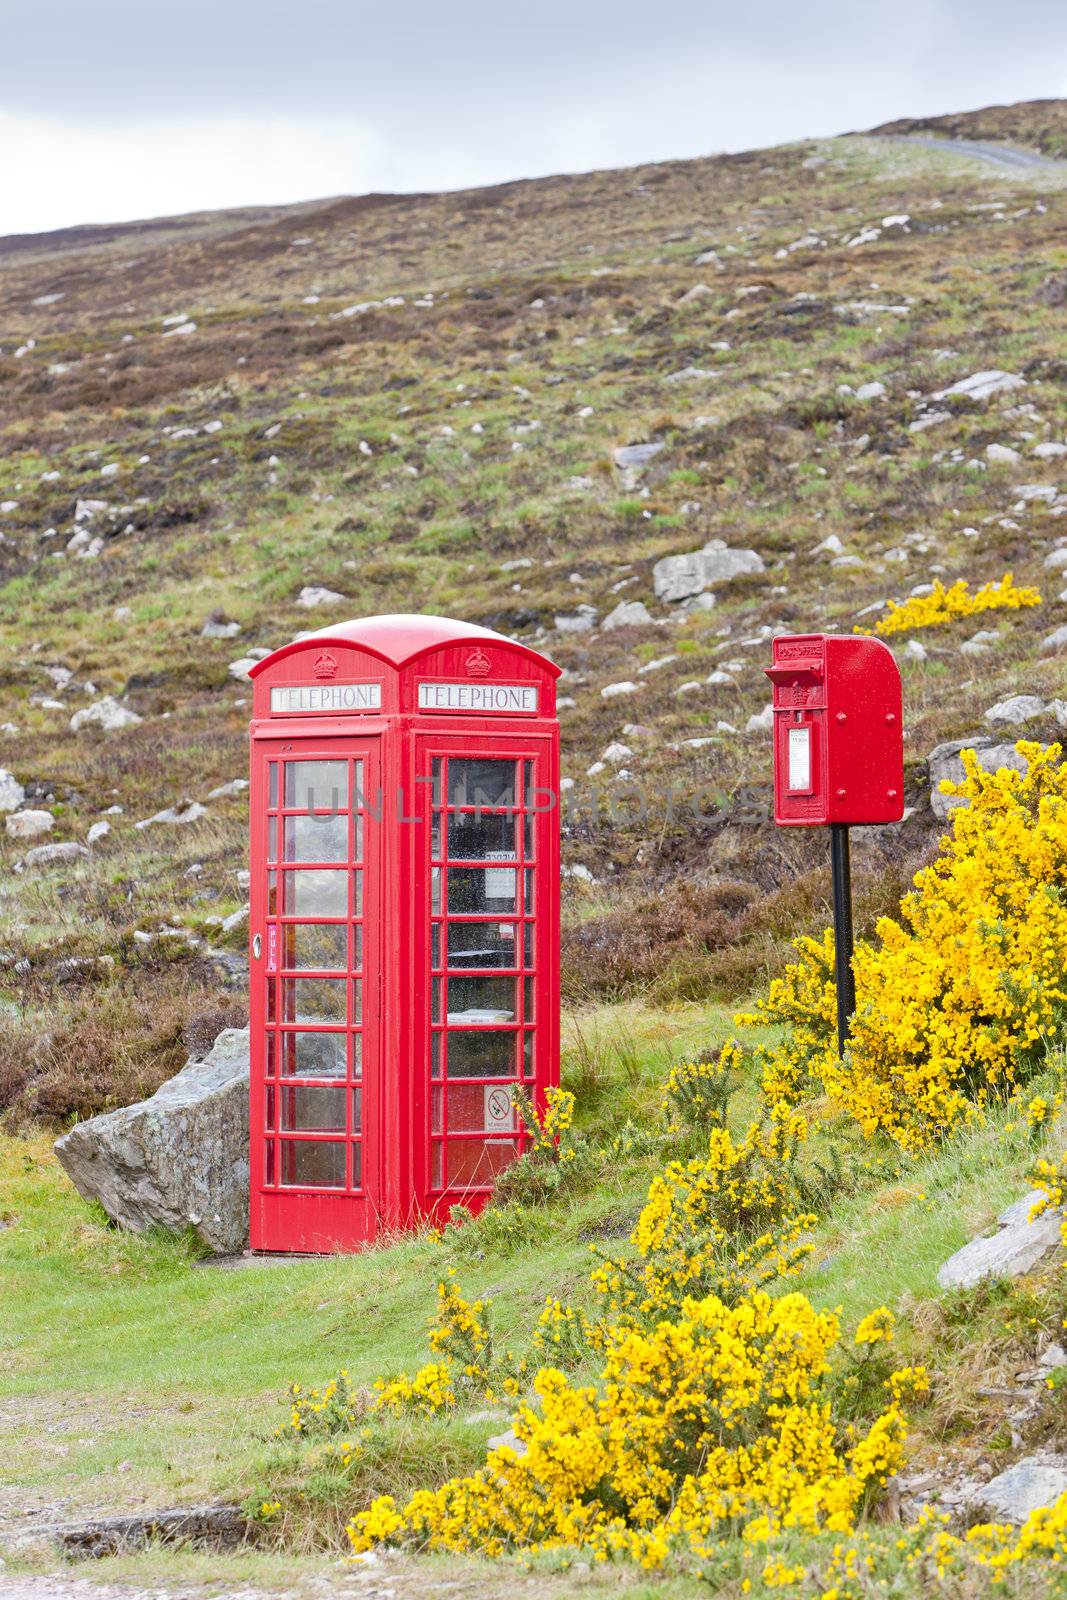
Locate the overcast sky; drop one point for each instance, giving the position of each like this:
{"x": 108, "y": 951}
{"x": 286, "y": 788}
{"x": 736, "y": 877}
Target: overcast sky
{"x": 114, "y": 109}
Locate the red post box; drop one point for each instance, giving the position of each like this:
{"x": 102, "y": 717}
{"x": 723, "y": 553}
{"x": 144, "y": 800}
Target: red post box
{"x": 838, "y": 736}
{"x": 404, "y": 930}
{"x": 838, "y": 759}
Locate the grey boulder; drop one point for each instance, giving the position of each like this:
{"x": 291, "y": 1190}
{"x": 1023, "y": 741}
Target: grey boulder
{"x": 1016, "y": 1248}
{"x": 628, "y": 614}
{"x": 12, "y": 794}
{"x": 945, "y": 762}
{"x": 1016, "y": 708}
{"x": 1033, "y": 1482}
{"x": 677, "y": 577}
{"x": 178, "y": 1159}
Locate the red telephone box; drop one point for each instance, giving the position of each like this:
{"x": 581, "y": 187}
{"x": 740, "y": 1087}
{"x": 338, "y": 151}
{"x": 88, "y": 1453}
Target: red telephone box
{"x": 404, "y": 931}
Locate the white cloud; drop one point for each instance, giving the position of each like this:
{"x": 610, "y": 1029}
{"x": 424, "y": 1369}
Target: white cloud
{"x": 55, "y": 174}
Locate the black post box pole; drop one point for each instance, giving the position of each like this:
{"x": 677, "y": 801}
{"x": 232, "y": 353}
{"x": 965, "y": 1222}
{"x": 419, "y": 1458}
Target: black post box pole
{"x": 844, "y": 978}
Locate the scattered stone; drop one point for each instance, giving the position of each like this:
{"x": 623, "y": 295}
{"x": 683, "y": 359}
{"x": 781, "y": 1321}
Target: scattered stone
{"x": 236, "y": 919}
{"x": 178, "y": 1159}
{"x": 654, "y": 666}
{"x": 628, "y": 614}
{"x": 914, "y": 651}
{"x": 213, "y": 1527}
{"x": 582, "y": 874}
{"x": 106, "y": 714}
{"x": 616, "y": 753}
{"x": 1035, "y": 1481}
{"x": 677, "y": 577}
{"x": 240, "y": 669}
{"x": 704, "y": 601}
{"x": 28, "y": 824}
{"x": 980, "y": 643}
{"x": 12, "y": 794}
{"x": 98, "y": 831}
{"x": 312, "y": 595}
{"x": 611, "y": 690}
{"x": 830, "y": 546}
{"x": 982, "y": 385}
{"x": 1016, "y": 708}
{"x": 1051, "y": 450}
{"x": 225, "y": 790}
{"x": 580, "y": 621}
{"x": 216, "y": 627}
{"x": 637, "y": 455}
{"x": 1056, "y": 561}
{"x": 1016, "y": 1247}
{"x": 1055, "y": 642}
{"x": 176, "y": 816}
{"x": 762, "y": 721}
{"x": 47, "y": 855}
{"x": 871, "y": 391}
{"x": 1002, "y": 453}
{"x": 944, "y": 763}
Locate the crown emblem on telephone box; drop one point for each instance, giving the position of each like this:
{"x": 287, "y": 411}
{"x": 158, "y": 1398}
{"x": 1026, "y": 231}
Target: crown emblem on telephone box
{"x": 325, "y": 665}
{"x": 478, "y": 664}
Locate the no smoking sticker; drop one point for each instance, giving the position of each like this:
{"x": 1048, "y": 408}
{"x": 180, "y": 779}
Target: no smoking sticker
{"x": 499, "y": 1116}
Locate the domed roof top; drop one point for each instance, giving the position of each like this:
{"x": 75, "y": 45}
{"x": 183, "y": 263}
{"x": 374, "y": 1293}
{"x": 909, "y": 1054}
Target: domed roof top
{"x": 402, "y": 637}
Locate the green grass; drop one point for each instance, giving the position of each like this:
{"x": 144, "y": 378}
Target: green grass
{"x": 131, "y": 1372}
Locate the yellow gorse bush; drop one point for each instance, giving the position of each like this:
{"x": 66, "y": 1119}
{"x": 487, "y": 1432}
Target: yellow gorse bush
{"x": 946, "y": 604}
{"x": 715, "y": 1405}
{"x": 717, "y": 1417}
{"x": 957, "y": 998}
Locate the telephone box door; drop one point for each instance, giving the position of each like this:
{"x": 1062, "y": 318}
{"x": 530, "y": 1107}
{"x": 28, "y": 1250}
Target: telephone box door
{"x": 316, "y": 913}
{"x": 487, "y": 940}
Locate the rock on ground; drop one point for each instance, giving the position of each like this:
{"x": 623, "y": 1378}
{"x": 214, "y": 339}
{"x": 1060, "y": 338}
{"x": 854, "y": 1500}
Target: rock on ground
{"x": 636, "y": 455}
{"x": 982, "y": 385}
{"x": 676, "y": 577}
{"x": 28, "y": 824}
{"x": 944, "y": 762}
{"x": 1016, "y": 708}
{"x": 1016, "y": 1247}
{"x": 178, "y": 1159}
{"x": 312, "y": 595}
{"x": 105, "y": 713}
{"x": 46, "y": 855}
{"x": 628, "y": 614}
{"x": 1034, "y": 1481}
{"x": 12, "y": 794}
{"x": 175, "y": 816}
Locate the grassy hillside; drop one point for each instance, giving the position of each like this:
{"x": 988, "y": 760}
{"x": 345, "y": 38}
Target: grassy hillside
{"x": 401, "y": 397}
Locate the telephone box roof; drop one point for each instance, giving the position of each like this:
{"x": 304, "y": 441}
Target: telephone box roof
{"x": 403, "y": 637}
